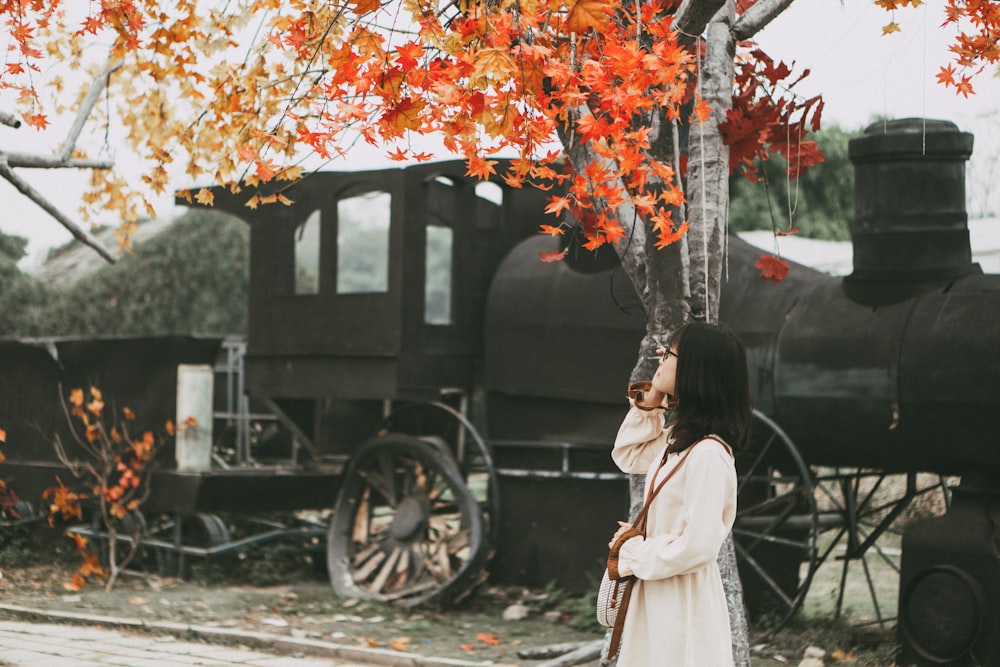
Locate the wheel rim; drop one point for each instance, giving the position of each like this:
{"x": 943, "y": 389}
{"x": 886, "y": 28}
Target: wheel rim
{"x": 405, "y": 527}
{"x": 859, "y": 510}
{"x": 777, "y": 525}
{"x": 448, "y": 429}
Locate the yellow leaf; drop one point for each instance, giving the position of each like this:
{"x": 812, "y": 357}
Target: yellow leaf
{"x": 839, "y": 655}
{"x": 587, "y": 14}
{"x": 205, "y": 197}
{"x": 494, "y": 65}
{"x": 76, "y": 397}
{"x": 890, "y": 28}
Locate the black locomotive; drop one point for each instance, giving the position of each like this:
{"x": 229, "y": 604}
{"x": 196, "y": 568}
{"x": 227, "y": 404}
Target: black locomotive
{"x": 453, "y": 398}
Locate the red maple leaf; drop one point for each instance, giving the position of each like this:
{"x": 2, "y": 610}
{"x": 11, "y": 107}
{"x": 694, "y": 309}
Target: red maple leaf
{"x": 772, "y": 268}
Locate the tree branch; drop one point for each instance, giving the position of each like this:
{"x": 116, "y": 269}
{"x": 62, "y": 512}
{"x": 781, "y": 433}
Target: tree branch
{"x": 693, "y": 16}
{"x": 96, "y": 86}
{"x": 26, "y": 161}
{"x": 37, "y": 197}
{"x": 9, "y": 119}
{"x": 757, "y": 17}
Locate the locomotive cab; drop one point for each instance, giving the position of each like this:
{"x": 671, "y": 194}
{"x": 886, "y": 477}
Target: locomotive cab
{"x": 372, "y": 288}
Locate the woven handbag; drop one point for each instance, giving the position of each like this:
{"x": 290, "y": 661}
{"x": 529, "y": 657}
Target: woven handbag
{"x": 615, "y": 591}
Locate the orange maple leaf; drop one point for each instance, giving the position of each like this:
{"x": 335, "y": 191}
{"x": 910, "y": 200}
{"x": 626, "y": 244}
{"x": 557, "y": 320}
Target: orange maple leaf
{"x": 397, "y": 155}
{"x": 557, "y": 204}
{"x": 400, "y": 644}
{"x": 409, "y": 54}
{"x": 890, "y": 28}
{"x": 488, "y": 638}
{"x": 665, "y": 238}
{"x": 405, "y": 115}
{"x": 422, "y": 157}
{"x": 76, "y": 584}
{"x": 37, "y": 121}
{"x": 552, "y": 231}
{"x": 550, "y": 256}
{"x": 365, "y": 6}
{"x": 80, "y": 540}
{"x": 701, "y": 110}
{"x": 480, "y": 168}
{"x": 946, "y": 76}
{"x": 586, "y": 14}
{"x": 3, "y": 435}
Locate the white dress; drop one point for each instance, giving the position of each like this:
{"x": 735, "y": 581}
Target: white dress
{"x": 677, "y": 615}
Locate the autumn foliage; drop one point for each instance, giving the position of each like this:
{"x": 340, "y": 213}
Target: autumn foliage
{"x": 113, "y": 479}
{"x": 254, "y": 91}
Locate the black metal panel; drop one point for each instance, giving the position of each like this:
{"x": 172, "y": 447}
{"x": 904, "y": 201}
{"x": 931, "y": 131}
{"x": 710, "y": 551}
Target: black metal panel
{"x": 29, "y": 399}
{"x": 244, "y": 490}
{"x": 554, "y": 333}
{"x": 757, "y": 309}
{"x": 950, "y": 378}
{"x": 321, "y": 376}
{"x": 837, "y": 380}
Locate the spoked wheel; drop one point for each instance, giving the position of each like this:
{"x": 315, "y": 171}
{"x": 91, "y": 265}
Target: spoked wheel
{"x": 777, "y": 526}
{"x": 447, "y": 428}
{"x": 405, "y": 528}
{"x": 864, "y": 512}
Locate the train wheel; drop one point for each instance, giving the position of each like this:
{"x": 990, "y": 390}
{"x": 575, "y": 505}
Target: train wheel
{"x": 203, "y": 530}
{"x": 777, "y": 525}
{"x": 406, "y": 528}
{"x": 864, "y": 511}
{"x": 447, "y": 428}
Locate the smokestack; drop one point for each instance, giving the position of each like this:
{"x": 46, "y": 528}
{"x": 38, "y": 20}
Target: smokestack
{"x": 910, "y": 227}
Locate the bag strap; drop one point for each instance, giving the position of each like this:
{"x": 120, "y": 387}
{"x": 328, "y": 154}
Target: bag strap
{"x": 640, "y": 519}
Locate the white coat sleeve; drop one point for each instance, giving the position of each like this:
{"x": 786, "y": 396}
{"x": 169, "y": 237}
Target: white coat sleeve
{"x": 640, "y": 440}
{"x": 708, "y": 514}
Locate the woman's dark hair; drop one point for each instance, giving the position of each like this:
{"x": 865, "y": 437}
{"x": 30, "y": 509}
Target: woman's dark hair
{"x": 712, "y": 389}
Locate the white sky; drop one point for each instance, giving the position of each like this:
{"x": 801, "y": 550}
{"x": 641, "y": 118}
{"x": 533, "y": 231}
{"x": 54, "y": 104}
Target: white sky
{"x": 860, "y": 73}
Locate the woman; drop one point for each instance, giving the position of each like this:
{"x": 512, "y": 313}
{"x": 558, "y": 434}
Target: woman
{"x": 677, "y": 613}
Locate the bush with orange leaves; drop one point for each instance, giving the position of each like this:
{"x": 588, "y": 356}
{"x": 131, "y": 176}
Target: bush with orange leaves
{"x": 113, "y": 478}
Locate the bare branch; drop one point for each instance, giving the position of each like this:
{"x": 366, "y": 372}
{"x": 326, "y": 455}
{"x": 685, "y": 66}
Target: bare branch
{"x": 37, "y": 197}
{"x": 49, "y": 162}
{"x": 9, "y": 119}
{"x": 757, "y": 17}
{"x": 96, "y": 86}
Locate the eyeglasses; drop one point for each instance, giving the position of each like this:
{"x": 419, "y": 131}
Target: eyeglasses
{"x": 663, "y": 355}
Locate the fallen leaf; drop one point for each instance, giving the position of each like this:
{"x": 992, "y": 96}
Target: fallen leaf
{"x": 400, "y": 644}
{"x": 137, "y": 601}
{"x": 467, "y": 647}
{"x": 488, "y": 638}
{"x": 839, "y": 655}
